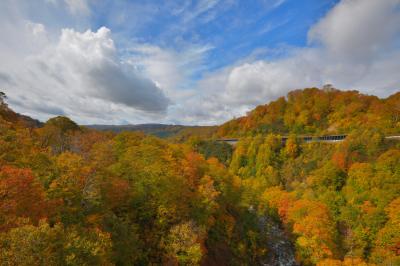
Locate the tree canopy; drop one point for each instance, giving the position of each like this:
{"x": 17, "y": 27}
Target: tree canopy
{"x": 70, "y": 195}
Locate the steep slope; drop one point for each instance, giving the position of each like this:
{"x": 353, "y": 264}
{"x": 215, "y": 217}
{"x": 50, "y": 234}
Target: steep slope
{"x": 338, "y": 202}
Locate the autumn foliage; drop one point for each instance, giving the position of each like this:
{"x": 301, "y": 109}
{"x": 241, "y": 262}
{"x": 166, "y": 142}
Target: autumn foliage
{"x": 70, "y": 195}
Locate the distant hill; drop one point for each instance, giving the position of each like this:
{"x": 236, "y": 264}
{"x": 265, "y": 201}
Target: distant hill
{"x": 318, "y": 111}
{"x": 160, "y": 130}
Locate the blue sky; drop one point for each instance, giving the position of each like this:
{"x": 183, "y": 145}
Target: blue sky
{"x": 189, "y": 62}
{"x": 232, "y": 29}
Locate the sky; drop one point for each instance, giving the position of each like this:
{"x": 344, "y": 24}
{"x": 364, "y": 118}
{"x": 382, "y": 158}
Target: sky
{"x": 189, "y": 62}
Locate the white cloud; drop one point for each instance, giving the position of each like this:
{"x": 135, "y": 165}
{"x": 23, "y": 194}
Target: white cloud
{"x": 92, "y": 58}
{"x": 202, "y": 7}
{"x": 36, "y": 29}
{"x": 79, "y": 75}
{"x": 78, "y": 6}
{"x": 75, "y": 7}
{"x": 171, "y": 69}
{"x": 359, "y": 29}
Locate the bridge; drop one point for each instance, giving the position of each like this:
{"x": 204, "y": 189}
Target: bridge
{"x": 307, "y": 139}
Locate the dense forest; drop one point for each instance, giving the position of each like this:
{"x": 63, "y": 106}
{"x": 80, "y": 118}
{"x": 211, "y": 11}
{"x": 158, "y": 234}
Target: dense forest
{"x": 72, "y": 195}
{"x": 318, "y": 111}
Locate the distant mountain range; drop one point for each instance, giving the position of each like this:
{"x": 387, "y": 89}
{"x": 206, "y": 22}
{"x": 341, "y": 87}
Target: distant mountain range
{"x": 159, "y": 130}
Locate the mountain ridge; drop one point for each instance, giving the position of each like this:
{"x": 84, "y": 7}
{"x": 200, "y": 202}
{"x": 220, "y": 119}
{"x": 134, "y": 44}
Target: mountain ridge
{"x": 318, "y": 111}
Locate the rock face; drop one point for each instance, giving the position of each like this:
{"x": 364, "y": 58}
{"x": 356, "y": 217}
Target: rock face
{"x": 281, "y": 251}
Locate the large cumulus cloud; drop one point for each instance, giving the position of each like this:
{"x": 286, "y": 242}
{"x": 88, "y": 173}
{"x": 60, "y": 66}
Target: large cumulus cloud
{"x": 91, "y": 60}
{"x": 79, "y": 74}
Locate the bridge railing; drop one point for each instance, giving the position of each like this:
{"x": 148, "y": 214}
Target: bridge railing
{"x": 324, "y": 138}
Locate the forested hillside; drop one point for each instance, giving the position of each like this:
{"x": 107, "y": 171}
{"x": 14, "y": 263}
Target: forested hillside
{"x": 316, "y": 111}
{"x": 70, "y": 195}
{"x": 337, "y": 201}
